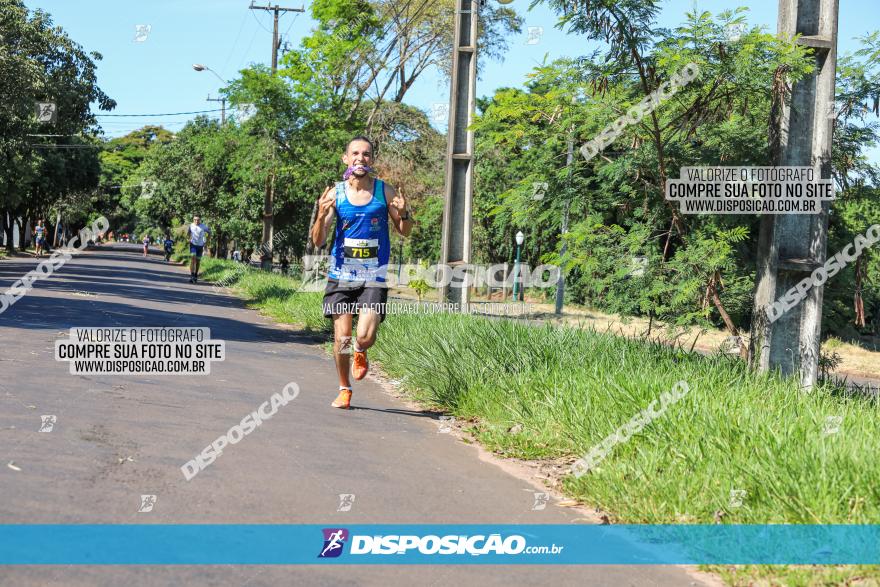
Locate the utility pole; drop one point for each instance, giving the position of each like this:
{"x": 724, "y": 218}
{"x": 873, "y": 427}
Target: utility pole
{"x": 276, "y": 42}
{"x": 57, "y": 226}
{"x": 269, "y": 199}
{"x": 790, "y": 246}
{"x": 222, "y": 107}
{"x": 456, "y": 238}
{"x": 560, "y": 281}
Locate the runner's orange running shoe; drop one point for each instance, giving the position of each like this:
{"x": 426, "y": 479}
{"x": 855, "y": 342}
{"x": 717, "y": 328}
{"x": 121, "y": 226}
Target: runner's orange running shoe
{"x": 361, "y": 365}
{"x": 343, "y": 400}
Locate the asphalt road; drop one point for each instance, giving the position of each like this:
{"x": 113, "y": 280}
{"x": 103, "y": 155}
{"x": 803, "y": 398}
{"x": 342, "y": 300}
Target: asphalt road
{"x": 119, "y": 437}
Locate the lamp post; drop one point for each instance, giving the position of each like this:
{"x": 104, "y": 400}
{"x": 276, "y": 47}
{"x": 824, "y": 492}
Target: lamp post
{"x": 520, "y": 237}
{"x": 200, "y": 67}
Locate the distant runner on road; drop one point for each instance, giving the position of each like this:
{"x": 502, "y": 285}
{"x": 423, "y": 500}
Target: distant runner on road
{"x": 40, "y": 238}
{"x": 198, "y": 235}
{"x": 146, "y": 243}
{"x": 168, "y": 245}
{"x": 362, "y": 208}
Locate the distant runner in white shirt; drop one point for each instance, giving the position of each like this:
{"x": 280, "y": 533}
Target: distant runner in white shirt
{"x": 40, "y": 242}
{"x": 198, "y": 235}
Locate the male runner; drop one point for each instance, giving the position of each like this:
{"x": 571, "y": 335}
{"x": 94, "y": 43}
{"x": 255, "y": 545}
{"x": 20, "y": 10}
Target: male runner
{"x": 40, "y": 238}
{"x": 362, "y": 207}
{"x": 198, "y": 235}
{"x": 168, "y": 245}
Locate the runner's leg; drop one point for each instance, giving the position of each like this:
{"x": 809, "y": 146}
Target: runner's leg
{"x": 342, "y": 346}
{"x": 341, "y": 349}
{"x": 371, "y": 303}
{"x": 367, "y": 328}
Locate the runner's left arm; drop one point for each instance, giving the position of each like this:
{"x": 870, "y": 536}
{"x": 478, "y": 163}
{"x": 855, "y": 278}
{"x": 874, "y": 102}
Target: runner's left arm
{"x": 398, "y": 211}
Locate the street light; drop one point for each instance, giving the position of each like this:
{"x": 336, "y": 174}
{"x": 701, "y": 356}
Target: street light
{"x": 520, "y": 237}
{"x": 200, "y": 67}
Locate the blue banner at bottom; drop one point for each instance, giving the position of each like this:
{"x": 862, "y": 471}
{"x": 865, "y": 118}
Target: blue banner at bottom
{"x": 267, "y": 544}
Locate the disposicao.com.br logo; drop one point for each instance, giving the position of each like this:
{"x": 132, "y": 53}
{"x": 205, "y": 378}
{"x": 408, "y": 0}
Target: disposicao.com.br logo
{"x": 451, "y": 544}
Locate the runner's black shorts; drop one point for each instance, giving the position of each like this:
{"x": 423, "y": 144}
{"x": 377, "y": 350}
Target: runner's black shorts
{"x": 350, "y": 297}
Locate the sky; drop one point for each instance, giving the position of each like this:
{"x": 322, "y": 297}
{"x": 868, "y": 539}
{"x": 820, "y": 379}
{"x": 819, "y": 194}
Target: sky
{"x": 155, "y": 75}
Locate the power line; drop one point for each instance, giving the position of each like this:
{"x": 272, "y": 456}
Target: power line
{"x": 259, "y": 23}
{"x": 293, "y": 22}
{"x": 234, "y": 43}
{"x": 44, "y": 146}
{"x": 136, "y": 124}
{"x": 163, "y": 114}
{"x": 246, "y": 51}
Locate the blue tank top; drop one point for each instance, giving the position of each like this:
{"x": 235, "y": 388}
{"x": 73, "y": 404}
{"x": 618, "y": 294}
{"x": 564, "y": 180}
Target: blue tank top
{"x": 361, "y": 247}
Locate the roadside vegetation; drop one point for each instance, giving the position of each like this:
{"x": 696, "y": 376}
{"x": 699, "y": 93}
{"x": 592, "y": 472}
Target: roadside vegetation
{"x": 551, "y": 393}
{"x": 554, "y": 392}
{"x": 605, "y": 220}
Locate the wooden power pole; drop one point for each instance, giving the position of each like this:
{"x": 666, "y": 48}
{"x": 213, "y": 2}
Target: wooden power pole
{"x": 222, "y": 107}
{"x": 269, "y": 198}
{"x": 792, "y": 246}
{"x": 456, "y": 238}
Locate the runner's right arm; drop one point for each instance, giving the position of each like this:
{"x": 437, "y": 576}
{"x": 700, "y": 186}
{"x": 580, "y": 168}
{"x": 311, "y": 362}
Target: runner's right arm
{"x": 326, "y": 211}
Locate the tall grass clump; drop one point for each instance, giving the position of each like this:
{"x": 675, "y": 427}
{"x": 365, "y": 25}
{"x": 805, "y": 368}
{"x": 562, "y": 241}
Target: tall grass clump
{"x": 557, "y": 392}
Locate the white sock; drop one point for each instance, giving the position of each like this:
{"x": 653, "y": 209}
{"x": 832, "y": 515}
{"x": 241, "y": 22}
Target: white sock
{"x": 357, "y": 347}
{"x": 341, "y": 388}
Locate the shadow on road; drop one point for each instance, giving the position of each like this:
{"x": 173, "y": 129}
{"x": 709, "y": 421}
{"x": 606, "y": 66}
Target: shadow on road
{"x": 79, "y": 295}
{"x": 425, "y": 414}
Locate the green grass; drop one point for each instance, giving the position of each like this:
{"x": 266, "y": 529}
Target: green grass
{"x": 552, "y": 392}
{"x": 274, "y": 294}
{"x": 567, "y": 389}
{"x": 798, "y": 576}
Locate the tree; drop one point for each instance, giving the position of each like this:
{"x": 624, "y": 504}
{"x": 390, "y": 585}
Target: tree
{"x": 39, "y": 63}
{"x": 693, "y": 267}
{"x": 369, "y": 52}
